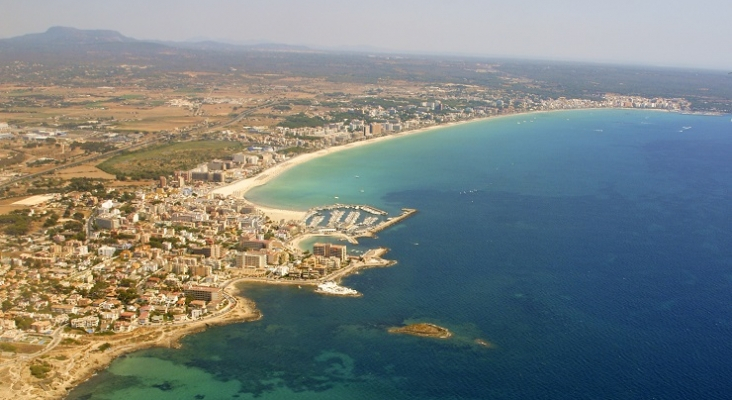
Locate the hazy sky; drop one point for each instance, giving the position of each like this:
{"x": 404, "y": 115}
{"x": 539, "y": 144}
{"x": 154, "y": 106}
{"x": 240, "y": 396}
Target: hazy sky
{"x": 641, "y": 32}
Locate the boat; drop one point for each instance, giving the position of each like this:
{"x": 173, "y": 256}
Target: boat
{"x": 330, "y": 287}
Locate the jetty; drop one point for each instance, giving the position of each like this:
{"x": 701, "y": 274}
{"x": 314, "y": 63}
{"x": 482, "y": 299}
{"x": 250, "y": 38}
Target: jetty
{"x": 406, "y": 213}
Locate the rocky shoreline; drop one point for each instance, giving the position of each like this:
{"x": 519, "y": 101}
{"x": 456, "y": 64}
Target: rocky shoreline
{"x": 76, "y": 361}
{"x": 423, "y": 330}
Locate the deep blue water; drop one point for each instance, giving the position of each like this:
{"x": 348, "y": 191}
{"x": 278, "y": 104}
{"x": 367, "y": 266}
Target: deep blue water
{"x": 591, "y": 248}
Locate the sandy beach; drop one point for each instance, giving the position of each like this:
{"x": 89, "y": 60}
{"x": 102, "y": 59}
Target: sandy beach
{"x": 240, "y": 188}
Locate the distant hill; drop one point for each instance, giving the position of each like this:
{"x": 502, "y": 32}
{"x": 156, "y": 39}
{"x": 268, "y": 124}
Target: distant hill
{"x": 64, "y": 45}
{"x": 64, "y": 36}
{"x": 61, "y": 38}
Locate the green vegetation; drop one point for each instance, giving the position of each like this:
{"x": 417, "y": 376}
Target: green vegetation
{"x": 86, "y": 185}
{"x": 16, "y": 223}
{"x": 131, "y": 97}
{"x": 127, "y": 296}
{"x": 98, "y": 291}
{"x": 7, "y": 347}
{"x": 153, "y": 162}
{"x": 73, "y": 226}
{"x": 104, "y": 347}
{"x": 16, "y": 158}
{"x": 70, "y": 342}
{"x": 93, "y": 147}
{"x": 300, "y": 102}
{"x": 386, "y": 103}
{"x": 51, "y": 220}
{"x": 301, "y": 121}
{"x": 40, "y": 370}
{"x": 23, "y": 323}
{"x": 295, "y": 150}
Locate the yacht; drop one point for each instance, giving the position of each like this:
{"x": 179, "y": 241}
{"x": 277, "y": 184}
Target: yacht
{"x": 330, "y": 287}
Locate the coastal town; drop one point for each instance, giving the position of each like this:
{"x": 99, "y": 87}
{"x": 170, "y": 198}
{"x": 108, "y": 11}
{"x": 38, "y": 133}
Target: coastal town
{"x": 125, "y": 222}
{"x": 164, "y": 258}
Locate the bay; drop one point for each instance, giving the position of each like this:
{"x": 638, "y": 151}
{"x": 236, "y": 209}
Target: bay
{"x": 589, "y": 248}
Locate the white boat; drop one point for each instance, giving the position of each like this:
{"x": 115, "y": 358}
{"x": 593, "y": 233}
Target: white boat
{"x": 333, "y": 288}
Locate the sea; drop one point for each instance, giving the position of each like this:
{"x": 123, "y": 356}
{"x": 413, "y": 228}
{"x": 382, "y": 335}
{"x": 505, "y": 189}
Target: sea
{"x": 573, "y": 255}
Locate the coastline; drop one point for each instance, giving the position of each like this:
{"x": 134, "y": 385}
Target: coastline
{"x": 66, "y": 373}
{"x": 76, "y": 363}
{"x": 241, "y": 187}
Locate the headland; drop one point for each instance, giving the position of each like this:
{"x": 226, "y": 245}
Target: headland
{"x": 75, "y": 359}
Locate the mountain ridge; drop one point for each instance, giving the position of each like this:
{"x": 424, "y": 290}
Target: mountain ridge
{"x": 68, "y": 37}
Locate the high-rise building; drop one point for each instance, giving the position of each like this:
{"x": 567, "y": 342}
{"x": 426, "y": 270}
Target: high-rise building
{"x": 376, "y": 128}
{"x": 330, "y": 250}
{"x": 251, "y": 260}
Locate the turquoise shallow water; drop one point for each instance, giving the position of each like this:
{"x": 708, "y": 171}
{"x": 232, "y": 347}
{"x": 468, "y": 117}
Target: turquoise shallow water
{"x": 590, "y": 247}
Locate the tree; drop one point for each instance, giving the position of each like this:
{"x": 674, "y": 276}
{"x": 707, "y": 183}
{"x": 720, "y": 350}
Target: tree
{"x": 23, "y": 323}
{"x": 51, "y": 220}
{"x": 127, "y": 295}
{"x": 98, "y": 291}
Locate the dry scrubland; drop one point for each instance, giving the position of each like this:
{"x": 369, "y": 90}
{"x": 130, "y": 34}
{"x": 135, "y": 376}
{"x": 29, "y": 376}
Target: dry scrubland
{"x": 197, "y": 107}
{"x": 163, "y": 160}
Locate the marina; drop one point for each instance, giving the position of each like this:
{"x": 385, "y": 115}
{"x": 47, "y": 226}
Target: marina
{"x": 351, "y": 220}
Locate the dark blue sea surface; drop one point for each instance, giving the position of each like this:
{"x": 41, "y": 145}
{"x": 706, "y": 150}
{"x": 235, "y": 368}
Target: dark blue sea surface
{"x": 592, "y": 250}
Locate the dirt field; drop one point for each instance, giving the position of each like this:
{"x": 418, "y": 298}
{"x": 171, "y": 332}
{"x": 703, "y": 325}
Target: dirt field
{"x": 83, "y": 171}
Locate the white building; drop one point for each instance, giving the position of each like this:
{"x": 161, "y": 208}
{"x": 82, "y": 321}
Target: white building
{"x": 106, "y": 251}
{"x": 89, "y": 322}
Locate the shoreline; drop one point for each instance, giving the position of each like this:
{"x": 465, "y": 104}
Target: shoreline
{"x": 241, "y": 187}
{"x": 66, "y": 374}
{"x": 75, "y": 364}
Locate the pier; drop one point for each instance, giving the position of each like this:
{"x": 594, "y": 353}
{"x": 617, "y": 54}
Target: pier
{"x": 406, "y": 213}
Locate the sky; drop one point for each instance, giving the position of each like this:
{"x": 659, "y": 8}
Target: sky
{"x": 669, "y": 33}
